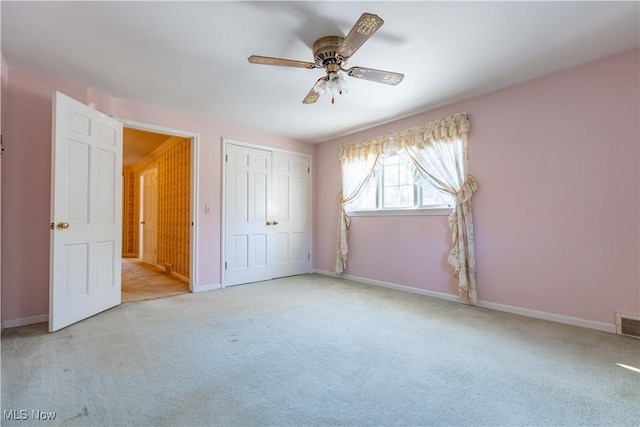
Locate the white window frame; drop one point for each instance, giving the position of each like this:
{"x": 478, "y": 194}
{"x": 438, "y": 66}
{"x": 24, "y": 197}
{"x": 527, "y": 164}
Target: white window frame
{"x": 435, "y": 210}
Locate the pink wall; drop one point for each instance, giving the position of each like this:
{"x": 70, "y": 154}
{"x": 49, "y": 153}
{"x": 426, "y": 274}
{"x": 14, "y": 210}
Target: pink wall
{"x": 557, "y": 211}
{"x": 26, "y": 175}
{"x": 25, "y": 197}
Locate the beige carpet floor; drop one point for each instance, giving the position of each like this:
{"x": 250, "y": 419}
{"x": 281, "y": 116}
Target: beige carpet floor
{"x": 141, "y": 281}
{"x": 317, "y": 351}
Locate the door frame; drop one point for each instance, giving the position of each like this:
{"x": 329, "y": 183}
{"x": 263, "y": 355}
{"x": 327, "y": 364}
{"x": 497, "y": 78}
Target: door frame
{"x": 223, "y": 170}
{"x": 194, "y": 137}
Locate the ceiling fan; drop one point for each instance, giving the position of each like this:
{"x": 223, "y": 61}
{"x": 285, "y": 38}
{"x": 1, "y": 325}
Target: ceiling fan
{"x": 332, "y": 54}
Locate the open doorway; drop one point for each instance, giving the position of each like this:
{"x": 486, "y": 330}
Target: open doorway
{"x": 156, "y": 232}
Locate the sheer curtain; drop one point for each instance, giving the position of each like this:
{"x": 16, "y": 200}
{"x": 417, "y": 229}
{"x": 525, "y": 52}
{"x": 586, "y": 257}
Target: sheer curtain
{"x": 359, "y": 163}
{"x": 439, "y": 152}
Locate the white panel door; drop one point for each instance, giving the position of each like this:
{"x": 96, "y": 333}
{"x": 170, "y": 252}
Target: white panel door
{"x": 248, "y": 236}
{"x": 291, "y": 212}
{"x": 86, "y": 210}
{"x": 150, "y": 216}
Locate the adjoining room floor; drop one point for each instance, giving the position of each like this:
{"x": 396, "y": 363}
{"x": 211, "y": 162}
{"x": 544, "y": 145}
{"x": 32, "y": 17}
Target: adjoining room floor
{"x": 142, "y": 281}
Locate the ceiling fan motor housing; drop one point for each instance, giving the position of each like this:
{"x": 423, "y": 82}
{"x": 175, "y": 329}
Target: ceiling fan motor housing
{"x": 325, "y": 50}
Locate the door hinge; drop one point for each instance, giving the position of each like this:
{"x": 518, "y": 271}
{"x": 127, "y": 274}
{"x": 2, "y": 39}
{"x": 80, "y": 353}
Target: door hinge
{"x": 309, "y": 256}
{"x": 226, "y": 157}
{"x": 308, "y": 169}
{"x": 225, "y": 265}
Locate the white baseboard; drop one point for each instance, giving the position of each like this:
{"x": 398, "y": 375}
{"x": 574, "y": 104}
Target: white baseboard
{"x": 204, "y": 288}
{"x": 24, "y": 321}
{"x": 575, "y": 321}
{"x": 402, "y": 288}
{"x": 323, "y": 272}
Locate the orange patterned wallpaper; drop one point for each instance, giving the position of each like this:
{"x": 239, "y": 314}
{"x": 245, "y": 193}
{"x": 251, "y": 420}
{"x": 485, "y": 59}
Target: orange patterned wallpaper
{"x": 174, "y": 219}
{"x": 130, "y": 215}
{"x": 174, "y": 193}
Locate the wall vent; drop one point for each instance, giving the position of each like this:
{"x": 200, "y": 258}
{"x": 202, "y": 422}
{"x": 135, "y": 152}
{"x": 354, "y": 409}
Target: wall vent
{"x": 628, "y": 325}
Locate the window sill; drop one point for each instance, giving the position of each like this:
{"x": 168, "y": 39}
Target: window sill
{"x": 404, "y": 212}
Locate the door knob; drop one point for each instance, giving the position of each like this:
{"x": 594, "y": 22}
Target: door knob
{"x": 269, "y": 223}
{"x": 63, "y": 225}
{"x": 275, "y": 222}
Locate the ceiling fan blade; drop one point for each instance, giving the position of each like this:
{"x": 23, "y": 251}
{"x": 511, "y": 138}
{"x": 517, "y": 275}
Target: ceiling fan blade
{"x": 312, "y": 96}
{"x": 360, "y": 33}
{"x": 267, "y": 60}
{"x": 379, "y": 76}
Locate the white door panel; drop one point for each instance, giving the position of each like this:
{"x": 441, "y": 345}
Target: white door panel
{"x": 249, "y": 240}
{"x": 150, "y": 216}
{"x": 291, "y": 210}
{"x": 86, "y": 207}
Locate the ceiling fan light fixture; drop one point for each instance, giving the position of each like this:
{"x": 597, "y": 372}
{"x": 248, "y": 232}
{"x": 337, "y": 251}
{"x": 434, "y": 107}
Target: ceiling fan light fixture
{"x": 333, "y": 84}
{"x": 332, "y": 54}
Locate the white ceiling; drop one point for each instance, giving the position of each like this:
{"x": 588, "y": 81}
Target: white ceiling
{"x": 192, "y": 56}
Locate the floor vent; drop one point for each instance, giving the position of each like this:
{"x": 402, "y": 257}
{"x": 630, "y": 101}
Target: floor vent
{"x": 628, "y": 325}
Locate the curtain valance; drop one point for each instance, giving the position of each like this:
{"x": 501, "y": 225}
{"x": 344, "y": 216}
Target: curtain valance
{"x": 453, "y": 126}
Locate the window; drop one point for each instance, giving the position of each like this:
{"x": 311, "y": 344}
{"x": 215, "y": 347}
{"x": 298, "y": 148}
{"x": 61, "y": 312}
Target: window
{"x": 398, "y": 187}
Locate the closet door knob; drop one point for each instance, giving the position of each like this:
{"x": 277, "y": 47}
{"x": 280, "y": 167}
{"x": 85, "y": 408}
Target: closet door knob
{"x": 269, "y": 223}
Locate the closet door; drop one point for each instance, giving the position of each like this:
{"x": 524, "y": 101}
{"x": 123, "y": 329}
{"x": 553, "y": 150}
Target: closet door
{"x": 249, "y": 236}
{"x": 291, "y": 212}
{"x": 267, "y": 215}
